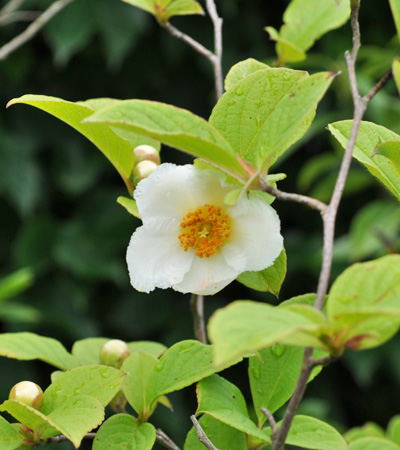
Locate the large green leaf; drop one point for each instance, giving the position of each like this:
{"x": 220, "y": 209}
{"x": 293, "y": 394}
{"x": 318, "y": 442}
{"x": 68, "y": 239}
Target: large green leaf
{"x": 27, "y": 346}
{"x": 370, "y": 136}
{"x": 364, "y": 303}
{"x": 10, "y": 438}
{"x": 395, "y": 5}
{"x": 373, "y": 443}
{"x": 172, "y": 126}
{"x": 122, "y": 432}
{"x": 391, "y": 150}
{"x": 181, "y": 365}
{"x": 244, "y": 327}
{"x": 221, "y": 435}
{"x": 117, "y": 150}
{"x": 241, "y": 70}
{"x": 301, "y": 29}
{"x": 308, "y": 432}
{"x": 163, "y": 10}
{"x": 262, "y": 115}
{"x": 223, "y": 400}
{"x": 139, "y": 367}
{"x": 100, "y": 382}
{"x": 267, "y": 280}
{"x": 75, "y": 417}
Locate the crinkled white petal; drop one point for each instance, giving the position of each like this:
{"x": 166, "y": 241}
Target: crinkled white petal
{"x": 156, "y": 259}
{"x": 207, "y": 276}
{"x": 255, "y": 240}
{"x": 166, "y": 195}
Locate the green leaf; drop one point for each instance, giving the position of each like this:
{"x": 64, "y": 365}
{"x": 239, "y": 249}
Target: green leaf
{"x": 117, "y": 150}
{"x": 307, "y": 432}
{"x": 393, "y": 429}
{"x": 285, "y": 49}
{"x": 273, "y": 376}
{"x": 301, "y": 29}
{"x": 369, "y": 429}
{"x": 221, "y": 435}
{"x": 27, "y": 346}
{"x": 267, "y": 280}
{"x": 373, "y": 227}
{"x": 364, "y": 303}
{"x": 130, "y": 205}
{"x": 10, "y": 438}
{"x": 395, "y": 6}
{"x": 391, "y": 150}
{"x": 139, "y": 367}
{"x": 163, "y": 10}
{"x": 373, "y": 443}
{"x": 369, "y": 137}
{"x": 87, "y": 351}
{"x": 122, "y": 432}
{"x": 244, "y": 327}
{"x": 100, "y": 382}
{"x": 181, "y": 365}
{"x": 262, "y": 115}
{"x": 396, "y": 67}
{"x": 241, "y": 70}
{"x": 175, "y": 127}
{"x": 150, "y": 347}
{"x": 15, "y": 283}
{"x": 223, "y": 400}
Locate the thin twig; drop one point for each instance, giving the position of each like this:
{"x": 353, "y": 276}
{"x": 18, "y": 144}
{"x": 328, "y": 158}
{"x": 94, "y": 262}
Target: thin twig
{"x": 11, "y": 6}
{"x": 33, "y": 28}
{"x": 216, "y": 61}
{"x": 288, "y": 196}
{"x": 323, "y": 361}
{"x": 18, "y": 16}
{"x": 202, "y": 435}
{"x": 271, "y": 419}
{"x": 165, "y": 440}
{"x": 197, "y": 307}
{"x": 329, "y": 219}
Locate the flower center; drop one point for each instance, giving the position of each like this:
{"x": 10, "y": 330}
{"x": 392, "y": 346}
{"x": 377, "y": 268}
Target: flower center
{"x": 205, "y": 229}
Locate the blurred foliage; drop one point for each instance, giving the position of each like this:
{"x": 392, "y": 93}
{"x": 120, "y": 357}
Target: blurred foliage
{"x": 59, "y": 216}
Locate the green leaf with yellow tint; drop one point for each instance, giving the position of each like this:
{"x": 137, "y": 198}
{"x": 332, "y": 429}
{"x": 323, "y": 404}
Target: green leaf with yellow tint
{"x": 301, "y": 29}
{"x": 395, "y": 6}
{"x": 391, "y": 151}
{"x": 266, "y": 112}
{"x": 10, "y": 438}
{"x": 373, "y": 443}
{"x": 175, "y": 127}
{"x": 267, "y": 280}
{"x": 130, "y": 205}
{"x": 241, "y": 70}
{"x": 370, "y": 136}
{"x": 364, "y": 303}
{"x": 396, "y": 70}
{"x": 244, "y": 327}
{"x": 223, "y": 400}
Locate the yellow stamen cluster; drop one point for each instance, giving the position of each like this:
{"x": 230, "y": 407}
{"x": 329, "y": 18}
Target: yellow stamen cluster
{"x": 205, "y": 229}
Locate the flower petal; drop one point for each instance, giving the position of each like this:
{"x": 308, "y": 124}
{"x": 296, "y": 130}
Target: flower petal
{"x": 166, "y": 195}
{"x": 207, "y": 276}
{"x": 255, "y": 240}
{"x": 156, "y": 260}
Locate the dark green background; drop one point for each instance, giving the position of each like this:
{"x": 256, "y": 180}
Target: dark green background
{"x": 58, "y": 210}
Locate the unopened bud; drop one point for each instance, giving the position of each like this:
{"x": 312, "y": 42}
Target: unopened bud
{"x": 29, "y": 393}
{"x": 143, "y": 170}
{"x": 113, "y": 353}
{"x": 146, "y": 153}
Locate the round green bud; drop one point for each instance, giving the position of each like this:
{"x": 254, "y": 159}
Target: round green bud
{"x": 143, "y": 170}
{"x": 113, "y": 353}
{"x": 29, "y": 393}
{"x": 146, "y": 153}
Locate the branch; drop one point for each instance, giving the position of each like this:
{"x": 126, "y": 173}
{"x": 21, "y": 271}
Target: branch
{"x": 33, "y": 28}
{"x": 165, "y": 440}
{"x": 216, "y": 62}
{"x": 329, "y": 219}
{"x": 61, "y": 438}
{"x": 286, "y": 196}
{"x": 197, "y": 307}
{"x": 11, "y": 6}
{"x": 18, "y": 16}
{"x": 202, "y": 435}
{"x": 271, "y": 421}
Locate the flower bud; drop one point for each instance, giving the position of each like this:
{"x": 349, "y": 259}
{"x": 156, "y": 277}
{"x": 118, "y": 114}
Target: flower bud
{"x": 146, "y": 153}
{"x": 29, "y": 393}
{"x": 113, "y": 353}
{"x": 143, "y": 170}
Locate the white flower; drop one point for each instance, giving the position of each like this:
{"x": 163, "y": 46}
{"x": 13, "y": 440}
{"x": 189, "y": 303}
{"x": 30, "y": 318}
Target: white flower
{"x": 190, "y": 240}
